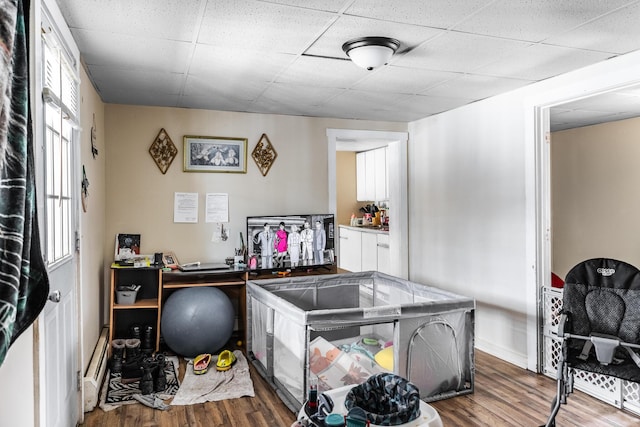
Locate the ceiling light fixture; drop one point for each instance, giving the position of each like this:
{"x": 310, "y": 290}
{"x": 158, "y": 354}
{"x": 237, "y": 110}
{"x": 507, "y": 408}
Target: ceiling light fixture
{"x": 371, "y": 52}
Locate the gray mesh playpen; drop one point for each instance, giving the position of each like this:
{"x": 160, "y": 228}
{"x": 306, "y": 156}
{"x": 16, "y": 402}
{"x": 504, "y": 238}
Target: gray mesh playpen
{"x": 328, "y": 331}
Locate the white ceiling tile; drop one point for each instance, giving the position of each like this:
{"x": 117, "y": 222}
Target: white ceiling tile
{"x": 535, "y": 20}
{"x": 581, "y": 116}
{"x": 428, "y": 105}
{"x": 432, "y": 13}
{"x": 322, "y": 72}
{"x": 539, "y": 62}
{"x": 227, "y": 85}
{"x": 609, "y": 102}
{"x": 617, "y": 32}
{"x": 214, "y": 103}
{"x": 168, "y": 19}
{"x": 250, "y": 64}
{"x": 254, "y": 25}
{"x": 110, "y": 79}
{"x": 125, "y": 51}
{"x": 453, "y": 51}
{"x": 475, "y": 86}
{"x": 403, "y": 80}
{"x": 326, "y": 5}
{"x": 288, "y": 94}
{"x": 141, "y": 97}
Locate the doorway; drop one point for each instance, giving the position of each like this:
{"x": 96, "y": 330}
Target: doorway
{"x": 396, "y": 142}
{"x": 593, "y": 145}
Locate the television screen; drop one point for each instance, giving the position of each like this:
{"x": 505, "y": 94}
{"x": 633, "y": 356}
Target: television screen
{"x": 290, "y": 241}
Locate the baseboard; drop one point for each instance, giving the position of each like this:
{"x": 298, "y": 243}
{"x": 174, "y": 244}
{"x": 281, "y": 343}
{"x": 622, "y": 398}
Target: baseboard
{"x": 505, "y": 354}
{"x": 95, "y": 371}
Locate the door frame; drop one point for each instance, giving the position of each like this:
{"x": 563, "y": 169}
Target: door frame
{"x": 398, "y": 195}
{"x": 617, "y": 73}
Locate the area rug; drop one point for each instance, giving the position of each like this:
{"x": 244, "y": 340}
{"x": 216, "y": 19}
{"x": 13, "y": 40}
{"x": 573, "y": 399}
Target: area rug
{"x": 115, "y": 393}
{"x": 214, "y": 385}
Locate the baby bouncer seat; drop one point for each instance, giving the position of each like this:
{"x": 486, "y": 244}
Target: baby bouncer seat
{"x": 599, "y": 324}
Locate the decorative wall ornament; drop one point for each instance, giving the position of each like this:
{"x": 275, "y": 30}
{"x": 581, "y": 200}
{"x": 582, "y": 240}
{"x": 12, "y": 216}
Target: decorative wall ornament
{"x": 94, "y": 149}
{"x": 85, "y": 189}
{"x": 264, "y": 154}
{"x": 163, "y": 151}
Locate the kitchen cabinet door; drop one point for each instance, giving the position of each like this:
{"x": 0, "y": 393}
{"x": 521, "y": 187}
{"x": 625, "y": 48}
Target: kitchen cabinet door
{"x": 370, "y": 175}
{"x": 380, "y": 165}
{"x": 369, "y": 251}
{"x": 350, "y": 250}
{"x": 384, "y": 256}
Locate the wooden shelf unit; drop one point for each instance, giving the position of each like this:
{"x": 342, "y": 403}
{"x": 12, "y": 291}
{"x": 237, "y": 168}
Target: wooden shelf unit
{"x": 148, "y": 305}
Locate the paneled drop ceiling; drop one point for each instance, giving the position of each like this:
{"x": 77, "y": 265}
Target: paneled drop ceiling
{"x": 285, "y": 57}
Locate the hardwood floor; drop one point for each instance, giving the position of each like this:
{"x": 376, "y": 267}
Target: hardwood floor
{"x": 504, "y": 395}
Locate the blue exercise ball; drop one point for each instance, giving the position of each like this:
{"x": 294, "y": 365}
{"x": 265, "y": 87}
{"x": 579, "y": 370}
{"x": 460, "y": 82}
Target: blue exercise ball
{"x": 197, "y": 320}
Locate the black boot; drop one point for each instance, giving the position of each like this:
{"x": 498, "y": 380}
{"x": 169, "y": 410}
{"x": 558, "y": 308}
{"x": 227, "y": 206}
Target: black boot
{"x": 117, "y": 354}
{"x": 148, "y": 340}
{"x": 132, "y": 367}
{"x": 146, "y": 383}
{"x": 159, "y": 375}
{"x": 133, "y": 348}
{"x": 135, "y": 331}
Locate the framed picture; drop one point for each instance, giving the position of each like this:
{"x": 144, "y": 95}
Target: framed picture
{"x": 215, "y": 154}
{"x": 169, "y": 260}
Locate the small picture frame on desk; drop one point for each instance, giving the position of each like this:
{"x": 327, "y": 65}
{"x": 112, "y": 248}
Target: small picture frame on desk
{"x": 170, "y": 260}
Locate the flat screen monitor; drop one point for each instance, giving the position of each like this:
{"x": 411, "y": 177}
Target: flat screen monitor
{"x": 281, "y": 242}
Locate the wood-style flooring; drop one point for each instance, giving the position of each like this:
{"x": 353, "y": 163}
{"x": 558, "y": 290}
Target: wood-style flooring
{"x": 505, "y": 395}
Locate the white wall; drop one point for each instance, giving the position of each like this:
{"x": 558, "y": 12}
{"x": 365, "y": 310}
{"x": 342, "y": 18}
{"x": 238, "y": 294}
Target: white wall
{"x": 472, "y": 198}
{"x": 18, "y": 379}
{"x": 467, "y": 202}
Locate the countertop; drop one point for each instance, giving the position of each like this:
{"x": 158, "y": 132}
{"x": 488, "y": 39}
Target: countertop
{"x": 368, "y": 228}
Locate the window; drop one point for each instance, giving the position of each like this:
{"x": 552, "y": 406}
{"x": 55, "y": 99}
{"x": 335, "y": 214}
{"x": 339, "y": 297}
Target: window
{"x": 60, "y": 96}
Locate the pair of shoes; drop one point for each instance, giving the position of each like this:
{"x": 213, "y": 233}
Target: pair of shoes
{"x": 201, "y": 363}
{"x": 225, "y": 360}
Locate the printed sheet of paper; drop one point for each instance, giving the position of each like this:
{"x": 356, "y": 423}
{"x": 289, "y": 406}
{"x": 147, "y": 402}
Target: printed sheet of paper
{"x": 217, "y": 207}
{"x": 185, "y": 207}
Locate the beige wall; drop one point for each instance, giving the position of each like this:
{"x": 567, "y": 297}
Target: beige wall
{"x": 594, "y": 187}
{"x": 140, "y": 198}
{"x": 92, "y": 222}
{"x": 346, "y": 202}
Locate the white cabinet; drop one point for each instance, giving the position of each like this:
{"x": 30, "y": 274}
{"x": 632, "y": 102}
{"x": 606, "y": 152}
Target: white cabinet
{"x": 384, "y": 256}
{"x": 350, "y": 250}
{"x": 371, "y": 175}
{"x": 364, "y": 251}
{"x": 361, "y": 179}
{"x": 369, "y": 251}
{"x": 380, "y": 161}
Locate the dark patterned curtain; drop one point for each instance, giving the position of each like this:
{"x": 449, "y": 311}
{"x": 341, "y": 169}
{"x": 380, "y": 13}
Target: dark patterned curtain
{"x": 24, "y": 284}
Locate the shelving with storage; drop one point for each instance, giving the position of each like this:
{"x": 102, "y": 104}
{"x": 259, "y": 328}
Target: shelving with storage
{"x": 146, "y": 309}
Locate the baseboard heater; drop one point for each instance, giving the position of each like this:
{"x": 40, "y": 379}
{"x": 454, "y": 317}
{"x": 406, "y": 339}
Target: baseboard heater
{"x": 95, "y": 371}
